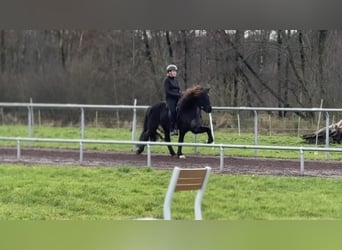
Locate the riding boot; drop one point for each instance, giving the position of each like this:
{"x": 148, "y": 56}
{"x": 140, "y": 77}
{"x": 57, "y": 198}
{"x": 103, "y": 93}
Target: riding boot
{"x": 174, "y": 132}
{"x": 174, "y": 129}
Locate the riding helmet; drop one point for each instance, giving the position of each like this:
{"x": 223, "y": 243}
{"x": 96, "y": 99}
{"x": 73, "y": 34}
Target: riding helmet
{"x": 171, "y": 67}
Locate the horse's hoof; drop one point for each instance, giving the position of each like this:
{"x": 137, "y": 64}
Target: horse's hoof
{"x": 210, "y": 142}
{"x": 181, "y": 157}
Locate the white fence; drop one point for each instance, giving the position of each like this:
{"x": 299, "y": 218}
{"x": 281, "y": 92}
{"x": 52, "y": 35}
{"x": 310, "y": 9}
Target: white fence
{"x": 149, "y": 144}
{"x": 31, "y": 106}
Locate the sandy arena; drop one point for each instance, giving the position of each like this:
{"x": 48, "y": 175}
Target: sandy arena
{"x": 232, "y": 165}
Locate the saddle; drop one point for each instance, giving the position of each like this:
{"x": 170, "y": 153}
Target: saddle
{"x": 169, "y": 110}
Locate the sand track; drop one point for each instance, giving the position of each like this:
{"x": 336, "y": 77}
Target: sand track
{"x": 232, "y": 165}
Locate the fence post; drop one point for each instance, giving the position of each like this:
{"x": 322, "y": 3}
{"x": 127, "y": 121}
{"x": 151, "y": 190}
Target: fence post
{"x": 18, "y": 149}
{"x": 82, "y": 123}
{"x": 221, "y": 158}
{"x": 81, "y": 151}
{"x": 255, "y": 132}
{"x": 29, "y": 119}
{"x": 2, "y": 116}
{"x": 239, "y": 125}
{"x": 326, "y": 134}
{"x": 32, "y": 113}
{"x": 301, "y": 153}
{"x": 195, "y": 147}
{"x": 134, "y": 122}
{"x": 148, "y": 155}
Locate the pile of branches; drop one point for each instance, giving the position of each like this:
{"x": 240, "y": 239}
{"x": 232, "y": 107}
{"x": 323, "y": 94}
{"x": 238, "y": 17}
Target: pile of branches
{"x": 335, "y": 134}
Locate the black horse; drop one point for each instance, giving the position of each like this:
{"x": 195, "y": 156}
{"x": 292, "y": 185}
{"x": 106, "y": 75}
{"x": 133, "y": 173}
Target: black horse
{"x": 189, "y": 107}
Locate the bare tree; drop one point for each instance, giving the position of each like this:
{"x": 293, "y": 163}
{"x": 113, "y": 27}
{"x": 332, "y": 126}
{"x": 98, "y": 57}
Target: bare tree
{"x": 62, "y": 49}
{"x": 186, "y": 56}
{"x": 301, "y": 51}
{"x": 169, "y": 46}
{"x": 148, "y": 54}
{"x": 2, "y": 51}
{"x": 323, "y": 34}
{"x": 279, "y": 66}
{"x": 298, "y": 77}
{"x": 243, "y": 67}
{"x": 254, "y": 73}
{"x": 237, "y": 72}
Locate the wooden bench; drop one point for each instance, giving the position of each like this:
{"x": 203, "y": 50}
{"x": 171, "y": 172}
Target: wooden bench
{"x": 185, "y": 179}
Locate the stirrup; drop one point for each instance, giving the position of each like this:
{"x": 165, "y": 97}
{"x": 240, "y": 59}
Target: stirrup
{"x": 174, "y": 132}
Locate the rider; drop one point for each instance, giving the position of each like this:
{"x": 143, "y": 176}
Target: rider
{"x": 172, "y": 95}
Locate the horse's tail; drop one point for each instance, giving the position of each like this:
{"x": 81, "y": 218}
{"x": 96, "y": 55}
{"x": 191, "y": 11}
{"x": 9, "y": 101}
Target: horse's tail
{"x": 152, "y": 121}
{"x": 144, "y": 136}
{"x": 146, "y": 119}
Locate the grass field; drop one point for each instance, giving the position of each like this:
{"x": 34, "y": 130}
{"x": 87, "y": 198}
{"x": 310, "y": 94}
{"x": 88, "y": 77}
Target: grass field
{"x": 125, "y": 193}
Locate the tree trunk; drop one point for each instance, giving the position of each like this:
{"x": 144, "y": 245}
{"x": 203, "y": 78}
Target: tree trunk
{"x": 279, "y": 64}
{"x": 186, "y": 55}
{"x": 148, "y": 55}
{"x": 168, "y": 42}
{"x": 62, "y": 53}
{"x": 2, "y": 51}
{"x": 302, "y": 61}
{"x": 237, "y": 70}
{"x": 335, "y": 134}
{"x": 302, "y": 52}
{"x": 321, "y": 47}
{"x": 254, "y": 73}
{"x": 301, "y": 81}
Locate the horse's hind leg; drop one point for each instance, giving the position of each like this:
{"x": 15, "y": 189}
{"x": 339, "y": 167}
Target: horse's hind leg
{"x": 170, "y": 148}
{"x": 180, "y": 140}
{"x": 210, "y": 135}
{"x": 166, "y": 129}
{"x": 167, "y": 139}
{"x": 143, "y": 137}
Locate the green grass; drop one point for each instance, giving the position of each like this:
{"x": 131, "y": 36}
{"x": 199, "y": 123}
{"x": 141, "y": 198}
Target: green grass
{"x": 79, "y": 193}
{"x": 221, "y": 137}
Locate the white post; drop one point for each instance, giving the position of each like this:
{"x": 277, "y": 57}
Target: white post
{"x": 82, "y": 123}
{"x": 327, "y": 137}
{"x": 211, "y": 127}
{"x": 255, "y": 132}
{"x": 319, "y": 119}
{"x": 134, "y": 122}
{"x": 149, "y": 155}
{"x": 301, "y": 155}
{"x": 239, "y": 126}
{"x": 221, "y": 158}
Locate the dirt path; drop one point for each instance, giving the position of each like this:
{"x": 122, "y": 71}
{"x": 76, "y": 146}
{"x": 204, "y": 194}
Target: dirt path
{"x": 232, "y": 165}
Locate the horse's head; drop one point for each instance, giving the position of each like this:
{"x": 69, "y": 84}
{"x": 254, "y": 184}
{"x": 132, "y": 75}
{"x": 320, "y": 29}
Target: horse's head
{"x": 196, "y": 96}
{"x": 204, "y": 100}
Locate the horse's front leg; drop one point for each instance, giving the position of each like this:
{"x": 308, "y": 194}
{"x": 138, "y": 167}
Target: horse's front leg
{"x": 201, "y": 130}
{"x": 181, "y": 140}
{"x": 168, "y": 139}
{"x": 210, "y": 135}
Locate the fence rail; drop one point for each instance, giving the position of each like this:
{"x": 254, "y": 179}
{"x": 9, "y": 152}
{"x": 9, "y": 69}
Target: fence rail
{"x": 82, "y": 107}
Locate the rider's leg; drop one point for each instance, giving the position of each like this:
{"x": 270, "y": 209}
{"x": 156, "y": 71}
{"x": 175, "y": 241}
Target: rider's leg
{"x": 174, "y": 127}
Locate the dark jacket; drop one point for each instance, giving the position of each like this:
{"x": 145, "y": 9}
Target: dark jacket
{"x": 172, "y": 95}
{"x": 171, "y": 88}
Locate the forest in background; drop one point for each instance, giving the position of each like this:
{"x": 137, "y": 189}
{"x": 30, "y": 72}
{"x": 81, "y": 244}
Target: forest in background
{"x": 269, "y": 68}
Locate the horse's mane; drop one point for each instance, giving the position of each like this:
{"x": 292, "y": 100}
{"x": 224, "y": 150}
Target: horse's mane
{"x": 189, "y": 94}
